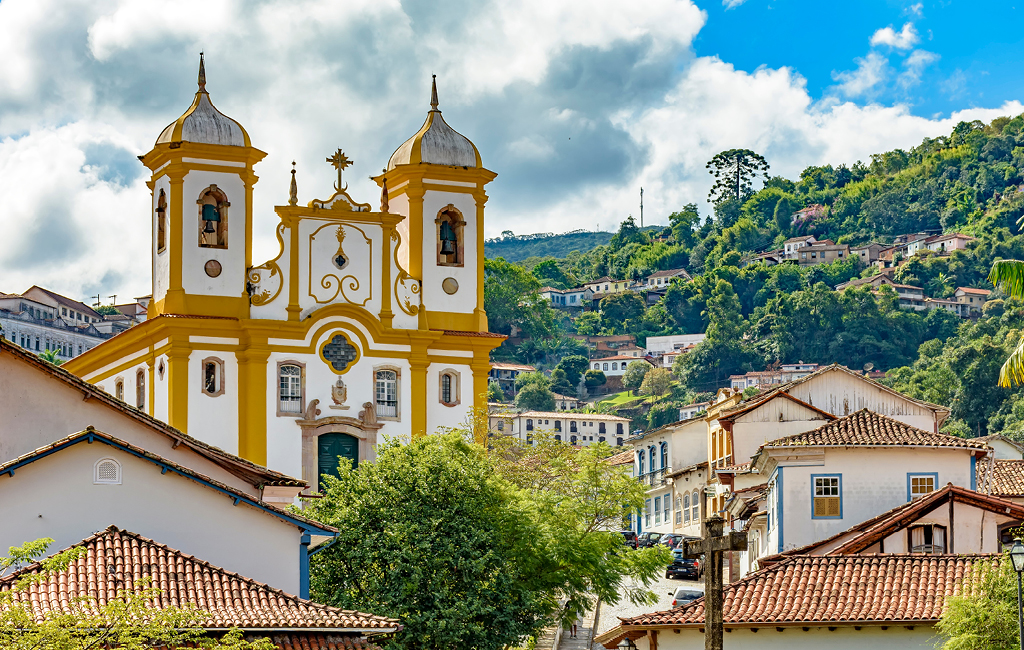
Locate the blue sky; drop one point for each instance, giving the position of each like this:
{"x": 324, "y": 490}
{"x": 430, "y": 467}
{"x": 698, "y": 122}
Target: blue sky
{"x": 978, "y": 48}
{"x": 575, "y": 104}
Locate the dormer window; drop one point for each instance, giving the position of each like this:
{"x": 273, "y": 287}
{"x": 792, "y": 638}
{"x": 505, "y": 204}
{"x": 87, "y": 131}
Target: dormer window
{"x": 213, "y": 218}
{"x": 450, "y": 225}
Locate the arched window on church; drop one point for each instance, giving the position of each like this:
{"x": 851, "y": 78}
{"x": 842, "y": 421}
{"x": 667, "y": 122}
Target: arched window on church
{"x": 213, "y": 218}
{"x": 450, "y": 226}
{"x": 161, "y": 222}
{"x": 140, "y": 390}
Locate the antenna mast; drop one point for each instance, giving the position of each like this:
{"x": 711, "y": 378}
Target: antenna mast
{"x": 641, "y": 207}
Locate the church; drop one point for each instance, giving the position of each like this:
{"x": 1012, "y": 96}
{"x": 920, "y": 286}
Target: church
{"x": 369, "y": 323}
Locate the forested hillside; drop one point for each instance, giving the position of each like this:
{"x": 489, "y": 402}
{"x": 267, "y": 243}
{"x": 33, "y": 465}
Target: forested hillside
{"x": 516, "y": 248}
{"x": 754, "y": 314}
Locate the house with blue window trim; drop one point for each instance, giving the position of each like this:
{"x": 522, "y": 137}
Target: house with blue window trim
{"x": 659, "y": 455}
{"x": 822, "y": 482}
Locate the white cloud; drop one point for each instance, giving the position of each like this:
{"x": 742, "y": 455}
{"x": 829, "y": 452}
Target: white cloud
{"x": 914, "y": 65}
{"x": 732, "y": 4}
{"x": 916, "y": 9}
{"x": 574, "y": 109}
{"x": 904, "y": 39}
{"x": 871, "y": 72}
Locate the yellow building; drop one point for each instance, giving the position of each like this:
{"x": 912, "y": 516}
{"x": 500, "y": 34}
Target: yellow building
{"x": 367, "y": 323}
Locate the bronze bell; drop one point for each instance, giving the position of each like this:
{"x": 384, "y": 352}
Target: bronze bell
{"x": 447, "y": 239}
{"x": 210, "y": 215}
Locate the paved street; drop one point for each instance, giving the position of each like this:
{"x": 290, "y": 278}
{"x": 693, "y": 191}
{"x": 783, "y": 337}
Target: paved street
{"x": 610, "y": 614}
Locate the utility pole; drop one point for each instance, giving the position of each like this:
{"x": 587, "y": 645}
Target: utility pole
{"x": 97, "y": 303}
{"x": 714, "y": 545}
{"x": 641, "y": 207}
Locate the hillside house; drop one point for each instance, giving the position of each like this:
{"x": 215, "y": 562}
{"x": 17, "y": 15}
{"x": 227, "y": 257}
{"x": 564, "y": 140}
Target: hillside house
{"x": 971, "y": 298}
{"x": 505, "y": 374}
{"x": 578, "y": 297}
{"x": 607, "y": 346}
{"x": 784, "y": 374}
{"x": 607, "y": 286}
{"x": 868, "y": 253}
{"x": 823, "y": 252}
{"x": 793, "y": 244}
{"x": 948, "y": 243}
{"x": 566, "y": 402}
{"x": 690, "y": 410}
{"x": 847, "y": 470}
{"x": 661, "y": 279}
{"x": 578, "y": 429}
{"x": 615, "y": 366}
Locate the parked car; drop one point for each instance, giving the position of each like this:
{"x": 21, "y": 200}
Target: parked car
{"x": 687, "y": 568}
{"x": 683, "y": 596}
{"x": 672, "y": 540}
{"x": 645, "y": 540}
{"x": 629, "y": 537}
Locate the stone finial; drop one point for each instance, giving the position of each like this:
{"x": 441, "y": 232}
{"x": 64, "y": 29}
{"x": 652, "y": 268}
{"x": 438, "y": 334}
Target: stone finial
{"x": 433, "y": 92}
{"x": 202, "y": 74}
{"x": 384, "y": 192}
{"x": 293, "y": 192}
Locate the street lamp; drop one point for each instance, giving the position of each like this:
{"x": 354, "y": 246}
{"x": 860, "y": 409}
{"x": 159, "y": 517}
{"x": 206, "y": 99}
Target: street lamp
{"x": 1017, "y": 557}
{"x": 627, "y": 643}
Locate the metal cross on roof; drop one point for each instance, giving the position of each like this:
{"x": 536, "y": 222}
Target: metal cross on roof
{"x": 340, "y": 161}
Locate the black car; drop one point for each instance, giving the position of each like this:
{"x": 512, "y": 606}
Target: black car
{"x": 645, "y": 540}
{"x": 629, "y": 538}
{"x": 687, "y": 568}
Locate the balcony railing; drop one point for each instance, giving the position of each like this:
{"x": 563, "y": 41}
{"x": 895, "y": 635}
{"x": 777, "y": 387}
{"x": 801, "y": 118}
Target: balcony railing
{"x": 655, "y": 478}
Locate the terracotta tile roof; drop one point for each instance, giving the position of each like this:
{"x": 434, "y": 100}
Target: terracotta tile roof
{"x": 980, "y": 292}
{"x": 498, "y": 365}
{"x": 739, "y": 467}
{"x": 566, "y": 415}
{"x": 247, "y": 470}
{"x": 67, "y": 302}
{"x": 867, "y": 428}
{"x": 316, "y": 641}
{"x": 91, "y": 435}
{"x": 620, "y": 357}
{"x": 621, "y": 458}
{"x": 805, "y": 589}
{"x": 485, "y": 335}
{"x": 116, "y": 559}
{"x": 1007, "y": 477}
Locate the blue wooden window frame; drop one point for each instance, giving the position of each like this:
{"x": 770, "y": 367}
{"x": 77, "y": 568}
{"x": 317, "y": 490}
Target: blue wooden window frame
{"x": 912, "y": 475}
{"x": 817, "y": 476}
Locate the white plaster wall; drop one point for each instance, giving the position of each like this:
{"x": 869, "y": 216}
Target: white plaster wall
{"x": 400, "y": 205}
{"x": 321, "y": 282}
{"x": 161, "y": 388}
{"x": 162, "y": 261}
{"x": 689, "y": 444}
{"x": 974, "y": 530}
{"x": 440, "y": 415}
{"x": 167, "y": 508}
{"x": 840, "y": 394}
{"x": 873, "y": 481}
{"x": 214, "y": 419}
{"x": 434, "y": 297}
{"x": 128, "y": 376}
{"x": 897, "y": 637}
{"x": 231, "y": 281}
{"x": 747, "y": 437}
{"x": 658, "y": 523}
{"x": 39, "y": 409}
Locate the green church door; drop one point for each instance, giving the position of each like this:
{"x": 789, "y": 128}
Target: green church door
{"x": 332, "y": 445}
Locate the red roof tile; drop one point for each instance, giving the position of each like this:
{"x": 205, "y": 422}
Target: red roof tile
{"x": 621, "y": 458}
{"x": 117, "y": 559}
{"x": 834, "y": 589}
{"x": 867, "y": 428}
{"x": 1007, "y": 478}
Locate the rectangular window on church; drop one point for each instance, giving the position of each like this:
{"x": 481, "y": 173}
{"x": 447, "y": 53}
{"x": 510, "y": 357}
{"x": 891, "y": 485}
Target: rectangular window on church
{"x": 289, "y": 376}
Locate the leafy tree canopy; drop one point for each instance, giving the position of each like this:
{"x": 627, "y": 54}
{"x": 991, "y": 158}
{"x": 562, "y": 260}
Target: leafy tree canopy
{"x": 734, "y": 172}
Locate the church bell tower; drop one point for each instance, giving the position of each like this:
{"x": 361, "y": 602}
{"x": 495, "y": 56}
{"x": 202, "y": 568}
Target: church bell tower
{"x": 202, "y": 180}
{"x": 436, "y": 180}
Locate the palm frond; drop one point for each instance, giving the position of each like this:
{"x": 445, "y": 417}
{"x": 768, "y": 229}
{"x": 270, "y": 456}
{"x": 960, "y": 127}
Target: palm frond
{"x": 1012, "y": 372}
{"x": 1008, "y": 275}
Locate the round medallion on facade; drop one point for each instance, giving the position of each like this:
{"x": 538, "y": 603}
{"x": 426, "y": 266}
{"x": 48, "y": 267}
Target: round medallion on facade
{"x": 339, "y": 353}
{"x": 450, "y": 285}
{"x": 213, "y": 268}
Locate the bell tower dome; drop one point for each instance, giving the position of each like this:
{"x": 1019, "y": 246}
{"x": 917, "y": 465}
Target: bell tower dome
{"x": 436, "y": 180}
{"x": 202, "y": 180}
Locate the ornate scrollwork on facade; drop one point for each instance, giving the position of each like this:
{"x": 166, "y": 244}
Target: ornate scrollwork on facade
{"x": 351, "y": 254}
{"x": 264, "y": 282}
{"x": 407, "y": 288}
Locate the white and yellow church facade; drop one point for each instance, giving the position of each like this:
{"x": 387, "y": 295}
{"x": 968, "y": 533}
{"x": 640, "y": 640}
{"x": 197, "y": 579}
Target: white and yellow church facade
{"x": 368, "y": 323}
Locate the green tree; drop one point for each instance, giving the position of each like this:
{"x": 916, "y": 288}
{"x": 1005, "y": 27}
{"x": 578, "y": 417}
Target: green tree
{"x": 535, "y": 397}
{"x": 574, "y": 366}
{"x": 551, "y": 274}
{"x": 51, "y": 357}
{"x": 524, "y": 379}
{"x": 633, "y": 378}
{"x": 620, "y": 309}
{"x": 126, "y": 620}
{"x": 983, "y": 616}
{"x": 560, "y": 383}
{"x": 1008, "y": 275}
{"x": 476, "y": 549}
{"x": 494, "y": 393}
{"x": 595, "y": 378}
{"x": 734, "y": 172}
{"x": 656, "y": 382}
{"x": 588, "y": 323}
{"x": 107, "y": 310}
{"x": 684, "y": 224}
{"x": 785, "y": 208}
{"x": 662, "y": 414}
{"x": 511, "y": 299}
{"x": 629, "y": 233}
